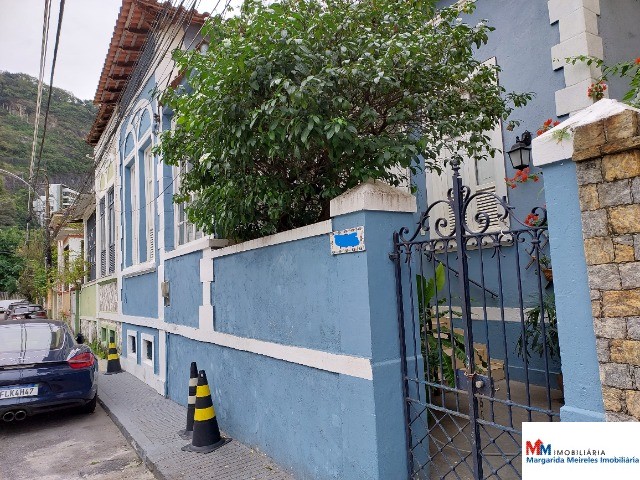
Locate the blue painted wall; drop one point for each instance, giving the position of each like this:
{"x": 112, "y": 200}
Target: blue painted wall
{"x": 321, "y": 425}
{"x": 582, "y": 390}
{"x": 140, "y": 295}
{"x": 298, "y": 415}
{"x": 295, "y": 293}
{"x": 139, "y": 345}
{"x": 618, "y": 26}
{"x": 185, "y": 289}
{"x": 522, "y": 44}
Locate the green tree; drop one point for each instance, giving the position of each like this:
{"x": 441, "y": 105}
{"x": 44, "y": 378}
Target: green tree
{"x": 293, "y": 103}
{"x": 34, "y": 280}
{"x": 10, "y": 262}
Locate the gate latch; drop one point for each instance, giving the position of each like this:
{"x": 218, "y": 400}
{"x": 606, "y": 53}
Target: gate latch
{"x": 482, "y": 384}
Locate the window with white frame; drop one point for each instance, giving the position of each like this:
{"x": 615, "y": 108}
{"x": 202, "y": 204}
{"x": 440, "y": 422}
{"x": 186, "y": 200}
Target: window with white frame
{"x": 185, "y": 230}
{"x": 139, "y": 195}
{"x": 147, "y": 352}
{"x": 134, "y": 196}
{"x": 480, "y": 175}
{"x": 102, "y": 236}
{"x": 132, "y": 347}
{"x": 149, "y": 196}
{"x": 111, "y": 231}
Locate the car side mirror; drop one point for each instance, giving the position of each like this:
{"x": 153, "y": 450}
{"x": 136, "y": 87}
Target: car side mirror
{"x": 80, "y": 338}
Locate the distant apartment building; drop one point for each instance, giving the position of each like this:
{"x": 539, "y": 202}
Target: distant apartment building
{"x": 60, "y": 197}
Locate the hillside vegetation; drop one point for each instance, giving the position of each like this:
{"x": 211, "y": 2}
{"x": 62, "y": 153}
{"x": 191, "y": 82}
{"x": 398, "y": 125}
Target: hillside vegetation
{"x": 65, "y": 149}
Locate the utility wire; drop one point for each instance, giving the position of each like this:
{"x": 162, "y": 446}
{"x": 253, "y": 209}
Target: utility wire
{"x": 133, "y": 86}
{"x": 36, "y": 122}
{"x": 53, "y": 69}
{"x": 156, "y": 58}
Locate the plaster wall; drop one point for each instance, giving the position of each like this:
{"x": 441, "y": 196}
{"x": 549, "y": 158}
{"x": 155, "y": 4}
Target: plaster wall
{"x": 88, "y": 301}
{"x": 618, "y": 26}
{"x": 139, "y": 295}
{"x": 185, "y": 289}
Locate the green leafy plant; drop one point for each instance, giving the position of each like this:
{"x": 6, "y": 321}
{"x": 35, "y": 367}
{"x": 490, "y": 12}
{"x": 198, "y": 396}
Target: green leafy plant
{"x": 533, "y": 340}
{"x": 99, "y": 349}
{"x": 439, "y": 343}
{"x": 292, "y": 103}
{"x": 629, "y": 69}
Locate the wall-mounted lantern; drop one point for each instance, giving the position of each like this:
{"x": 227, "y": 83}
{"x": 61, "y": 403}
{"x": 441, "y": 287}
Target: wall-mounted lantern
{"x": 520, "y": 153}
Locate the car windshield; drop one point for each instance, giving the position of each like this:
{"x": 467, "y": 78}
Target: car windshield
{"x": 35, "y": 336}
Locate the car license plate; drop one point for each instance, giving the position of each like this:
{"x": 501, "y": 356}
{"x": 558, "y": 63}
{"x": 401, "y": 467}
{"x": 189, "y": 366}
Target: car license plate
{"x": 15, "y": 392}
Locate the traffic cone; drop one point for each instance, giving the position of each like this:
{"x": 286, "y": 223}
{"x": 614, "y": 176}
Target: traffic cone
{"x": 113, "y": 360}
{"x": 191, "y": 402}
{"x": 206, "y": 434}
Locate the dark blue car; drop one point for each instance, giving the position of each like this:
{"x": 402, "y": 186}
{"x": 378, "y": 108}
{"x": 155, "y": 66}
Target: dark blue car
{"x": 43, "y": 368}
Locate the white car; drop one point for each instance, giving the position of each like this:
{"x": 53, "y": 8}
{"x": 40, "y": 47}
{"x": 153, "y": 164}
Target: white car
{"x": 4, "y": 306}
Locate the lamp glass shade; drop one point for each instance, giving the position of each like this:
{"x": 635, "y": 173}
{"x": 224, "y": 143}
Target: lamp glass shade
{"x": 520, "y": 156}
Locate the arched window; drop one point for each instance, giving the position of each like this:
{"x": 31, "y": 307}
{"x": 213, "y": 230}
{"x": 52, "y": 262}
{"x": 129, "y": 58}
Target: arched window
{"x": 139, "y": 188}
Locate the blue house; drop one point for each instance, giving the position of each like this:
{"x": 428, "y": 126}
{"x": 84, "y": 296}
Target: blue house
{"x": 299, "y": 340}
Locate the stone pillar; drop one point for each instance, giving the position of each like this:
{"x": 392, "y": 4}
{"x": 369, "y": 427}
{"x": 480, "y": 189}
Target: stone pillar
{"x": 607, "y": 156}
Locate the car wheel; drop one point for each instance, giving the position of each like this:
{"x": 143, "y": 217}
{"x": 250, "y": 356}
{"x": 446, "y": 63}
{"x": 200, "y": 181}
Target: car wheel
{"x": 91, "y": 406}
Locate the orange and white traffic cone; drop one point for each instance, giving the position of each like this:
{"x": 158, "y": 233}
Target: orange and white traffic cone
{"x": 191, "y": 402}
{"x": 113, "y": 360}
{"x": 206, "y": 434}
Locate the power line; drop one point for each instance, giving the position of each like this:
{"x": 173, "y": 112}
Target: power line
{"x": 43, "y": 60}
{"x": 136, "y": 82}
{"x": 133, "y": 86}
{"x": 53, "y": 69}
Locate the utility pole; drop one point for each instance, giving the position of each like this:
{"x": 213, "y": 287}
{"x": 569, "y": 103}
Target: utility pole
{"x": 47, "y": 231}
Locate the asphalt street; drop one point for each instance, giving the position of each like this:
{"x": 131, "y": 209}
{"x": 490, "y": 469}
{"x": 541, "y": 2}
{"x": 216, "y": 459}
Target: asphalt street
{"x": 68, "y": 446}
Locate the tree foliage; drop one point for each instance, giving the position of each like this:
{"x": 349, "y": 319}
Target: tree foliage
{"x": 293, "y": 103}
{"x": 65, "y": 148}
{"x": 10, "y": 262}
{"x": 34, "y": 279}
{"x": 629, "y": 69}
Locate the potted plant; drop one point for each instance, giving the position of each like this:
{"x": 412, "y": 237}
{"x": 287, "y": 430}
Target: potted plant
{"x": 439, "y": 343}
{"x": 545, "y": 268}
{"x": 533, "y": 339}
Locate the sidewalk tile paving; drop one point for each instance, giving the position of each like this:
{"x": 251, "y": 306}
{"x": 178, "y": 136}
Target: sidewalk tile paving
{"x": 151, "y": 422}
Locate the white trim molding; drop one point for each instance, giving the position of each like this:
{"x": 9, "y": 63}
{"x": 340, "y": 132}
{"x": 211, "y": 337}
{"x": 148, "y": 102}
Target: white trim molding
{"x": 203, "y": 243}
{"x": 547, "y": 149}
{"x": 578, "y": 26}
{"x": 359, "y": 367}
{"x": 308, "y": 231}
{"x": 144, "y": 360}
{"x": 130, "y": 354}
{"x": 139, "y": 269}
{"x": 144, "y": 373}
{"x": 373, "y": 195}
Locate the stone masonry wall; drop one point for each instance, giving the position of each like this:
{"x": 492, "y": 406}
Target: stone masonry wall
{"x": 607, "y": 156}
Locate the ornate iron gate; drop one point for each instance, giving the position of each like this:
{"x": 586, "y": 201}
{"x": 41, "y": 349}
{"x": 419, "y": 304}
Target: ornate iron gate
{"x": 478, "y": 334}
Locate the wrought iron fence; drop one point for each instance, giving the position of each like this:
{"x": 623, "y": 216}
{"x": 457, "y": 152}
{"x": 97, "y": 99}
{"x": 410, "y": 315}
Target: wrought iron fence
{"x": 478, "y": 332}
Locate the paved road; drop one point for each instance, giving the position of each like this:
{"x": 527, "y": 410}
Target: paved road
{"x": 68, "y": 446}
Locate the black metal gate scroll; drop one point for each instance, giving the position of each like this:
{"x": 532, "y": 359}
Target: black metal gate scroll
{"x": 478, "y": 334}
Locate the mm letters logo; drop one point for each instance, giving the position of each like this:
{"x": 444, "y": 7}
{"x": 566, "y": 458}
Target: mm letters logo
{"x": 538, "y": 448}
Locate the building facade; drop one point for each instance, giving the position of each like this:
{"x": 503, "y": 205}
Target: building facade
{"x": 281, "y": 325}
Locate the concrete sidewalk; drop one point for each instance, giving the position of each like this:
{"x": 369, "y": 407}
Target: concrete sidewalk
{"x": 151, "y": 422}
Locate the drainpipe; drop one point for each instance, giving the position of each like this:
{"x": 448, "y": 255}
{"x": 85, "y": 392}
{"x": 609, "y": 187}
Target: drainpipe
{"x": 166, "y": 364}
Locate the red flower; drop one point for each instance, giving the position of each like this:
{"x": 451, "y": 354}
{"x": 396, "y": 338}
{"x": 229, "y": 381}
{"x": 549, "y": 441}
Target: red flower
{"x": 556, "y": 123}
{"x": 548, "y": 122}
{"x": 637, "y": 62}
{"x": 540, "y": 132}
{"x": 531, "y": 220}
